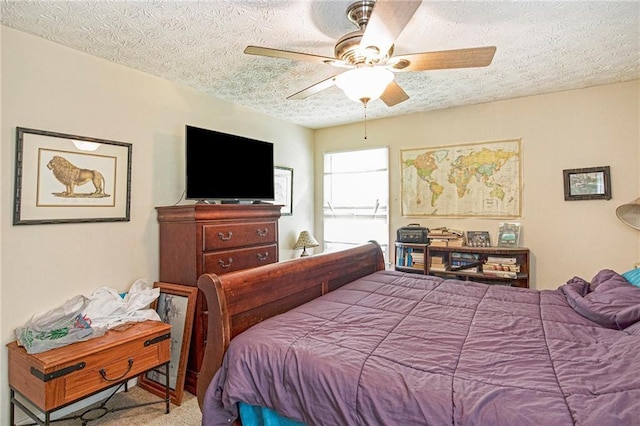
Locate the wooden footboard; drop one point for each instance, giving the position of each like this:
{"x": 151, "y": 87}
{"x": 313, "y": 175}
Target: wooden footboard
{"x": 238, "y": 300}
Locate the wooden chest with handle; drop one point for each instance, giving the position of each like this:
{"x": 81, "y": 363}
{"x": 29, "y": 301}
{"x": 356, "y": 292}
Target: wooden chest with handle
{"x": 60, "y": 376}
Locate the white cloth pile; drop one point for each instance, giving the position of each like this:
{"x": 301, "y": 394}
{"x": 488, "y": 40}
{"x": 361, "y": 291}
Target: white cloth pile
{"x": 82, "y": 318}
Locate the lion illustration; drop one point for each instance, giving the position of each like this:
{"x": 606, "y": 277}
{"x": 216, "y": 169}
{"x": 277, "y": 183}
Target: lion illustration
{"x": 71, "y": 176}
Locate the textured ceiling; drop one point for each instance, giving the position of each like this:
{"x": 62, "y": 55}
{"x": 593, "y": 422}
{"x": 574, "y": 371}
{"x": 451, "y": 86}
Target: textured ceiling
{"x": 542, "y": 47}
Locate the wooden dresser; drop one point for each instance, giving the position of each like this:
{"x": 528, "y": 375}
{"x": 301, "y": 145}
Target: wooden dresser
{"x": 213, "y": 238}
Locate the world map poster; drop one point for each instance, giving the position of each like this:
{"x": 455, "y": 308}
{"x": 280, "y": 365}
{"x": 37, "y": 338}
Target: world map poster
{"x": 480, "y": 180}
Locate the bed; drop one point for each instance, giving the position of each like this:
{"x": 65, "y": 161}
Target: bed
{"x": 334, "y": 339}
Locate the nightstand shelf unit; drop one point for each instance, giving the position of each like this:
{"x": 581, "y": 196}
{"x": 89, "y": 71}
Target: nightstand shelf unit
{"x": 483, "y": 256}
{"x": 410, "y": 257}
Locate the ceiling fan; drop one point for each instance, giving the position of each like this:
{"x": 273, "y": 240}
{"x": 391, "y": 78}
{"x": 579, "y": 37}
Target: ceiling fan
{"x": 368, "y": 55}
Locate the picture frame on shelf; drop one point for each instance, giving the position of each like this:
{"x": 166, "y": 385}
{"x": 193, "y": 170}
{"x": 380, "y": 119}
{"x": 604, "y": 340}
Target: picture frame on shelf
{"x": 478, "y": 239}
{"x": 283, "y": 186}
{"x": 176, "y": 306}
{"x": 63, "y": 178}
{"x": 592, "y": 183}
{"x": 508, "y": 234}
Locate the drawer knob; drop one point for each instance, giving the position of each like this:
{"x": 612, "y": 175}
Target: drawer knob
{"x": 225, "y": 237}
{"x": 103, "y": 373}
{"x": 263, "y": 257}
{"x": 262, "y": 232}
{"x": 225, "y": 265}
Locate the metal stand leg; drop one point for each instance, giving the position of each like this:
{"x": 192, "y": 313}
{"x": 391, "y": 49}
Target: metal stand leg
{"x": 12, "y": 409}
{"x": 90, "y": 414}
{"x": 16, "y": 403}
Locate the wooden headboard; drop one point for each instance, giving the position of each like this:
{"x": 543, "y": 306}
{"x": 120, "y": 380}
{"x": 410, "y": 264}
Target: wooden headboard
{"x": 238, "y": 300}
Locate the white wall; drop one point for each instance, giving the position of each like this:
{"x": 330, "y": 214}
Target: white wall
{"x": 49, "y": 87}
{"x": 582, "y": 128}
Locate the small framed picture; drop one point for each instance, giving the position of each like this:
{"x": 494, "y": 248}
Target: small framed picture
{"x": 593, "y": 183}
{"x": 283, "y": 186}
{"x": 508, "y": 234}
{"x": 478, "y": 239}
{"x": 61, "y": 178}
{"x": 176, "y": 306}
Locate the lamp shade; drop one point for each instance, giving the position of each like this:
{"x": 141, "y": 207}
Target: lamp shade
{"x": 305, "y": 239}
{"x": 630, "y": 213}
{"x": 364, "y": 83}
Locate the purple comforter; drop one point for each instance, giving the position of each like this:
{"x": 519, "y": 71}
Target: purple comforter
{"x": 399, "y": 349}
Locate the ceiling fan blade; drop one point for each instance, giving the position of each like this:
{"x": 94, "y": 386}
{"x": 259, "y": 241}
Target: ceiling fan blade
{"x": 394, "y": 94}
{"x": 312, "y": 90}
{"x": 446, "y": 59}
{"x": 294, "y": 56}
{"x": 388, "y": 19}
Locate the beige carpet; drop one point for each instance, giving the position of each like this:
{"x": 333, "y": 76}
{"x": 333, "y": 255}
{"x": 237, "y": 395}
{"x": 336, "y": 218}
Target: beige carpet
{"x": 187, "y": 414}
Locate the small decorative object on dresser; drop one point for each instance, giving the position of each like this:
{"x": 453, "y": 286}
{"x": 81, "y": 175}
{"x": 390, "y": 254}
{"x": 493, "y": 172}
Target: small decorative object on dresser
{"x": 64, "y": 178}
{"x": 593, "y": 183}
{"x": 508, "y": 234}
{"x": 176, "y": 306}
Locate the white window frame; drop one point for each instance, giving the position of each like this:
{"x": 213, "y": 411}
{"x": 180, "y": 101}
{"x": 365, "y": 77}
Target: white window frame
{"x": 362, "y": 217}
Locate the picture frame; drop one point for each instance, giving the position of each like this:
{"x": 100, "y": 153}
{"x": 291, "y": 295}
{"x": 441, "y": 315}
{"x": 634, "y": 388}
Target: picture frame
{"x": 478, "y": 239}
{"x": 592, "y": 183}
{"x": 283, "y": 185}
{"x": 176, "y": 306}
{"x": 508, "y": 234}
{"x": 63, "y": 178}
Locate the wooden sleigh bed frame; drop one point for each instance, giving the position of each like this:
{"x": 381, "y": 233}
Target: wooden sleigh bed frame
{"x": 239, "y": 300}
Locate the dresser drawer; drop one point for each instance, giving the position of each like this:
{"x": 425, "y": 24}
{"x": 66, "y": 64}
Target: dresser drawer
{"x": 225, "y": 236}
{"x": 226, "y": 261}
{"x": 105, "y": 369}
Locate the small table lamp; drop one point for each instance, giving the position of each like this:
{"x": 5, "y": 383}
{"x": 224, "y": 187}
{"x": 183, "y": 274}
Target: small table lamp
{"x": 305, "y": 240}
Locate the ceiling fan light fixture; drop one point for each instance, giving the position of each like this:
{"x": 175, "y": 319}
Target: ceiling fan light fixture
{"x": 364, "y": 83}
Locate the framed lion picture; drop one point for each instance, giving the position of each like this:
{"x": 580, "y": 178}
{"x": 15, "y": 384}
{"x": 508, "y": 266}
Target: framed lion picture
{"x": 61, "y": 178}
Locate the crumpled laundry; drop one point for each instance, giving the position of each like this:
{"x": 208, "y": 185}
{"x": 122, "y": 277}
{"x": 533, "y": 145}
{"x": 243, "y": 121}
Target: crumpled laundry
{"x": 82, "y": 318}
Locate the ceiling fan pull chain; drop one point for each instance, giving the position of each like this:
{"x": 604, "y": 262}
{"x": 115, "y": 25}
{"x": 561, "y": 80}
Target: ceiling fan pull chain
{"x": 365, "y": 120}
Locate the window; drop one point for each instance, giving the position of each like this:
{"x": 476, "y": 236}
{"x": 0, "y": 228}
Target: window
{"x": 356, "y": 198}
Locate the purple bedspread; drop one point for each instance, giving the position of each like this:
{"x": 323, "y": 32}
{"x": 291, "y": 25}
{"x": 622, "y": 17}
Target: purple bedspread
{"x": 400, "y": 349}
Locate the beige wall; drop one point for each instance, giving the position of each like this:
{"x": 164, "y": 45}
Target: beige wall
{"x": 582, "y": 128}
{"x": 50, "y": 87}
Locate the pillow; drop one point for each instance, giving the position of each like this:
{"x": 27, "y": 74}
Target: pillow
{"x": 602, "y": 277}
{"x": 612, "y": 303}
{"x": 633, "y": 276}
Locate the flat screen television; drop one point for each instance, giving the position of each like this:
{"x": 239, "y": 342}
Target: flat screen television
{"x": 229, "y": 168}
